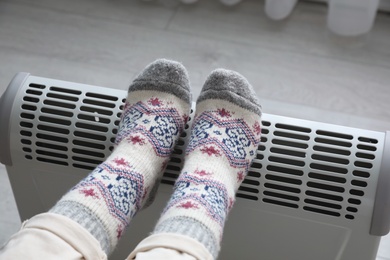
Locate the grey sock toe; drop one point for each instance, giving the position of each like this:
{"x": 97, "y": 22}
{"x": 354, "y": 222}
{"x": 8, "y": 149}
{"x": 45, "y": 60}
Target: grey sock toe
{"x": 164, "y": 75}
{"x": 231, "y": 86}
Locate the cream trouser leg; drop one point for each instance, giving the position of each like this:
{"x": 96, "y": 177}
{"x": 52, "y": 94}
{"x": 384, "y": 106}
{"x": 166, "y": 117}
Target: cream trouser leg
{"x": 53, "y": 236}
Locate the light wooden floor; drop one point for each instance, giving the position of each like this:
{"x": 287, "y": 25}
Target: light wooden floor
{"x": 297, "y": 67}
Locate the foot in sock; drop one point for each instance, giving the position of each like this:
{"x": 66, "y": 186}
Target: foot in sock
{"x": 153, "y": 118}
{"x": 223, "y": 143}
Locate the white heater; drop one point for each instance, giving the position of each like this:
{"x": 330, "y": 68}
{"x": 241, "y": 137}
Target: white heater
{"x": 315, "y": 191}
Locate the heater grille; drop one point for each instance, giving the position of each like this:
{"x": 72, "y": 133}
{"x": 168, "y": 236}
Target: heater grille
{"x": 317, "y": 170}
{"x": 58, "y": 126}
{"x": 85, "y": 121}
{"x": 310, "y": 167}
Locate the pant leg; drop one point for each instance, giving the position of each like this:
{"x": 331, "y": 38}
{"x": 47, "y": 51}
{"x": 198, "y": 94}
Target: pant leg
{"x": 170, "y": 246}
{"x": 163, "y": 253}
{"x": 52, "y": 236}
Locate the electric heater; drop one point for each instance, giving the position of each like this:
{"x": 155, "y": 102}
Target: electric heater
{"x": 315, "y": 190}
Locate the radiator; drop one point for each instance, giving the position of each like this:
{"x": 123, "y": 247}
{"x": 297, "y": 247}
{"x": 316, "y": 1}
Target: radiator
{"x": 315, "y": 190}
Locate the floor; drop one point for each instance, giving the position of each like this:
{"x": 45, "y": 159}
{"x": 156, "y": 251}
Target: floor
{"x": 297, "y": 66}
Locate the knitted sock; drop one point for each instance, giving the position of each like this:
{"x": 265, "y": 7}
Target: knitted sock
{"x": 223, "y": 143}
{"x": 153, "y": 118}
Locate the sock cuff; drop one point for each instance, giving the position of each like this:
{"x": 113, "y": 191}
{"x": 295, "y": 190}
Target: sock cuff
{"x": 190, "y": 227}
{"x": 171, "y": 242}
{"x": 87, "y": 219}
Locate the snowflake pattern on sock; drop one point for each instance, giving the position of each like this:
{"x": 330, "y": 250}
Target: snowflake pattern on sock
{"x": 234, "y": 137}
{"x": 203, "y": 192}
{"x": 153, "y": 122}
{"x": 118, "y": 184}
{"x": 136, "y": 139}
{"x": 89, "y": 193}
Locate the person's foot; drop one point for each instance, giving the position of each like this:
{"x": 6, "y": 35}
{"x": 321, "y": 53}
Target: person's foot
{"x": 224, "y": 140}
{"x": 153, "y": 118}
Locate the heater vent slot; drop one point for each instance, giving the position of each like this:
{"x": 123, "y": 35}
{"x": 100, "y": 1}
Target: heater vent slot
{"x": 326, "y": 177}
{"x": 95, "y": 110}
{"x": 332, "y": 142}
{"x": 98, "y": 103}
{"x": 366, "y": 147}
{"x": 62, "y": 97}
{"x": 54, "y": 120}
{"x": 284, "y": 170}
{"x": 92, "y": 127}
{"x": 334, "y": 134}
{"x": 95, "y": 118}
{"x": 367, "y": 140}
{"x": 330, "y": 150}
{"x": 325, "y": 196}
{"x": 31, "y": 99}
{"x": 289, "y": 143}
{"x": 66, "y": 90}
{"x": 102, "y": 96}
{"x": 293, "y": 128}
{"x": 56, "y": 112}
{"x": 322, "y": 211}
{"x": 56, "y": 103}
{"x": 34, "y": 92}
{"x": 29, "y": 107}
{"x": 37, "y": 86}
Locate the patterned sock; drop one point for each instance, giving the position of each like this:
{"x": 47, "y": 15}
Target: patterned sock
{"x": 223, "y": 142}
{"x": 153, "y": 117}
